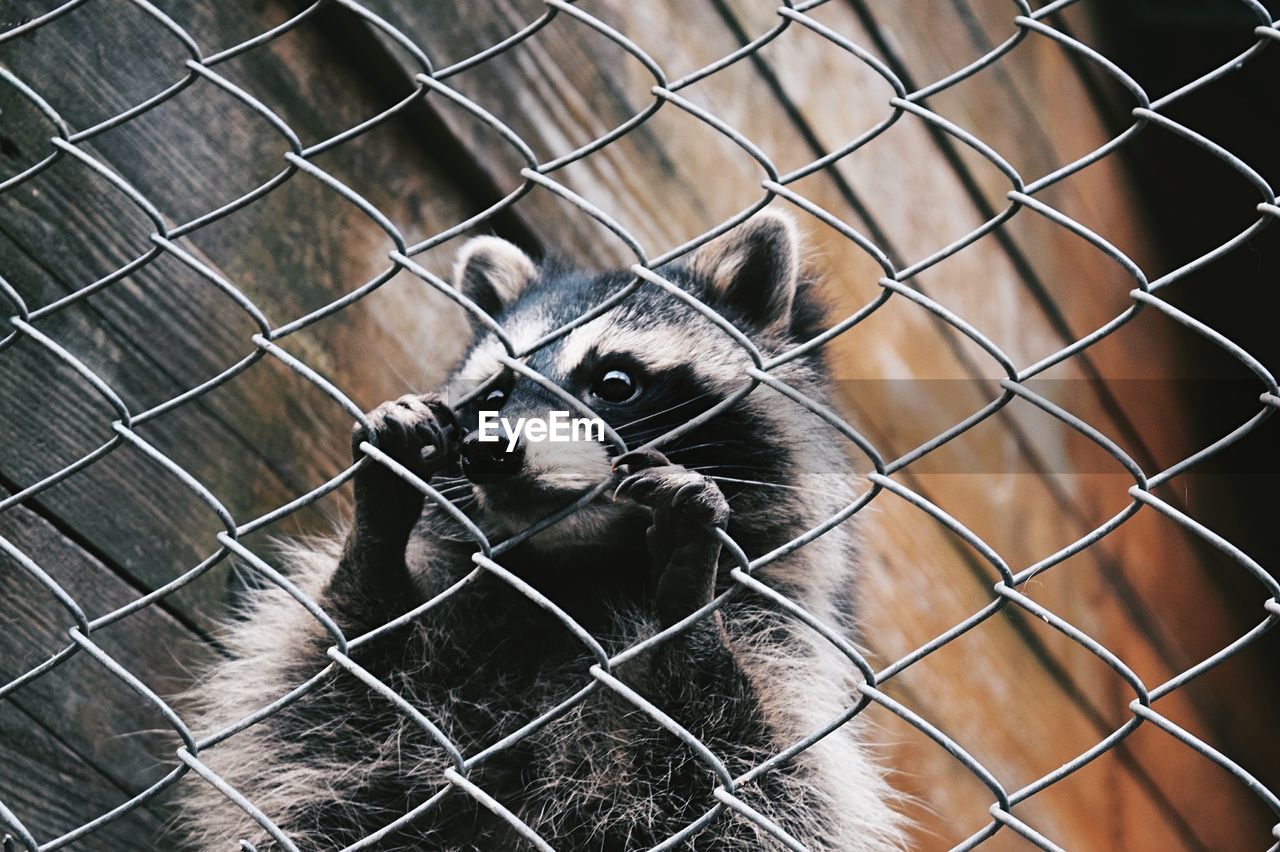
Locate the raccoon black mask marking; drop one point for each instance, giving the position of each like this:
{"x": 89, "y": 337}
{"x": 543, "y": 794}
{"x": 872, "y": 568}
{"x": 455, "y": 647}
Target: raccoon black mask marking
{"x": 342, "y": 762}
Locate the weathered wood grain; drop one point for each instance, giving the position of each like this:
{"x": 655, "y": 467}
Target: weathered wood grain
{"x": 1018, "y": 695}
{"x": 256, "y": 442}
{"x": 80, "y": 701}
{"x": 53, "y": 791}
{"x": 1034, "y": 90}
{"x": 85, "y": 713}
{"x": 569, "y": 83}
{"x": 164, "y": 329}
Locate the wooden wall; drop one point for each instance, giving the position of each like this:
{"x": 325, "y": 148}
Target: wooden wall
{"x": 1015, "y": 693}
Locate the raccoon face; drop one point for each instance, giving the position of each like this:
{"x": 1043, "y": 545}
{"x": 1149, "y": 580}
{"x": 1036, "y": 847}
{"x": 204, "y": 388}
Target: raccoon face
{"x": 644, "y": 367}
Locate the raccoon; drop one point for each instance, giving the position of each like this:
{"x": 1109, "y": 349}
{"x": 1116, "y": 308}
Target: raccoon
{"x": 343, "y": 762}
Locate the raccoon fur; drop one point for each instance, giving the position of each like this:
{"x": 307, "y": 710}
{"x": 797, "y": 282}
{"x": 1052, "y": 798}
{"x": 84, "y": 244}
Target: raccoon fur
{"x": 342, "y": 762}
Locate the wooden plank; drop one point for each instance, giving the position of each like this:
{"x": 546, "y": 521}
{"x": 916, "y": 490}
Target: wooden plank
{"x": 574, "y": 83}
{"x": 673, "y": 178}
{"x": 1034, "y": 90}
{"x": 986, "y": 691}
{"x": 158, "y": 528}
{"x": 266, "y": 436}
{"x": 1194, "y": 616}
{"x": 1078, "y": 599}
{"x": 256, "y": 442}
{"x": 52, "y": 791}
{"x": 1039, "y": 74}
{"x": 80, "y": 702}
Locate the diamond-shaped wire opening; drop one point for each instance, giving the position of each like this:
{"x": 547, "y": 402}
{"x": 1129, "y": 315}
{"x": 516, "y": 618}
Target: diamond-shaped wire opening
{"x": 764, "y": 376}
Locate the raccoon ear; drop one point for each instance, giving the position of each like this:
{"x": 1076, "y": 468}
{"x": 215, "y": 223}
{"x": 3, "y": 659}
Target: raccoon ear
{"x": 754, "y": 268}
{"x": 492, "y": 272}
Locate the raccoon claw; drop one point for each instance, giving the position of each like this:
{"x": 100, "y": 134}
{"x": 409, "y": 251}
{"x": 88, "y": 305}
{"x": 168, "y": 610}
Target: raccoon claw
{"x": 683, "y": 554}
{"x": 637, "y": 460}
{"x": 418, "y": 431}
{"x": 672, "y": 487}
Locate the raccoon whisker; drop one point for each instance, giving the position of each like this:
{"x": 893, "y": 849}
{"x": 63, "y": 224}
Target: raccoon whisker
{"x": 409, "y": 387}
{"x": 652, "y": 432}
{"x": 446, "y": 483}
{"x": 721, "y": 442}
{"x": 671, "y": 454}
{"x": 738, "y": 496}
{"x": 455, "y": 489}
{"x": 461, "y": 539}
{"x": 765, "y": 484}
{"x": 633, "y": 441}
{"x": 700, "y": 468}
{"x": 664, "y": 411}
{"x": 644, "y": 435}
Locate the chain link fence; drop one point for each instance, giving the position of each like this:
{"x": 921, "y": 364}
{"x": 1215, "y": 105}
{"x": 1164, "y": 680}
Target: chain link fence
{"x": 1025, "y": 197}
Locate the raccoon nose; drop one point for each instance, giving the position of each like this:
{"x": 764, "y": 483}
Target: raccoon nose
{"x": 490, "y": 461}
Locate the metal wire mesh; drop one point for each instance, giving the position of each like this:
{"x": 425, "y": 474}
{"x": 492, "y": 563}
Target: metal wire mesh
{"x": 1024, "y": 197}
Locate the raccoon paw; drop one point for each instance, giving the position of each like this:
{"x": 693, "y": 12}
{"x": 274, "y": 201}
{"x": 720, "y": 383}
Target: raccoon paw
{"x": 684, "y": 554}
{"x": 420, "y": 431}
{"x": 655, "y": 482}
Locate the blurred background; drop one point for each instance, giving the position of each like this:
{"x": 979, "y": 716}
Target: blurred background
{"x": 76, "y": 742}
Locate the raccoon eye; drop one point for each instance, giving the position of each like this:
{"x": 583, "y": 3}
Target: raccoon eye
{"x": 615, "y": 386}
{"x": 495, "y": 397}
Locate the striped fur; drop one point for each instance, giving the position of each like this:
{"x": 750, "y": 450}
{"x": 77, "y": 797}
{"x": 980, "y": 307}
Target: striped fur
{"x": 342, "y": 762}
